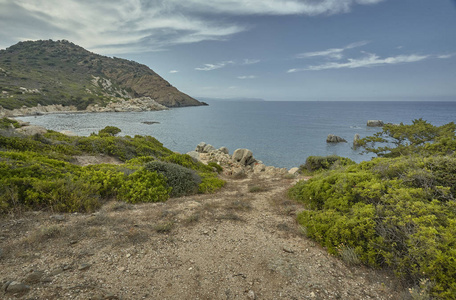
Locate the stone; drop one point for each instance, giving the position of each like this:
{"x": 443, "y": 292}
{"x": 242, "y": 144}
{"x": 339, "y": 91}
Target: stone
{"x": 335, "y": 139}
{"x": 194, "y": 155}
{"x": 68, "y": 133}
{"x": 243, "y": 156}
{"x": 17, "y": 287}
{"x": 293, "y": 171}
{"x": 356, "y": 140}
{"x": 258, "y": 168}
{"x": 31, "y": 130}
{"x": 58, "y": 217}
{"x": 251, "y": 295}
{"x": 200, "y": 147}
{"x": 224, "y": 150}
{"x": 83, "y": 267}
{"x": 208, "y": 148}
{"x": 375, "y": 123}
{"x": 34, "y": 277}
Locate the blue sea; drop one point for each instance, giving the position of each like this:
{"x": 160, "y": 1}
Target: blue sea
{"x": 281, "y": 134}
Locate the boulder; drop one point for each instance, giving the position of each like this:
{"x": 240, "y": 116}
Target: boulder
{"x": 375, "y": 123}
{"x": 32, "y": 130}
{"x": 208, "y": 148}
{"x": 194, "y": 155}
{"x": 293, "y": 171}
{"x": 356, "y": 140}
{"x": 200, "y": 147}
{"x": 224, "y": 150}
{"x": 258, "y": 168}
{"x": 243, "y": 156}
{"x": 335, "y": 139}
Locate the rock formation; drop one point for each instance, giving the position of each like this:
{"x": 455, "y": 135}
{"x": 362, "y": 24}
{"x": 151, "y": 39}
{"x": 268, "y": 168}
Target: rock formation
{"x": 241, "y": 163}
{"x": 375, "y": 123}
{"x": 335, "y": 139}
{"x": 356, "y": 141}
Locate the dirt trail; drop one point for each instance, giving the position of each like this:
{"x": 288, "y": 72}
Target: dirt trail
{"x": 240, "y": 243}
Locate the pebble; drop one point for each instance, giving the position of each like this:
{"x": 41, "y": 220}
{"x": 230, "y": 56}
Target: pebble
{"x": 34, "y": 277}
{"x": 58, "y": 217}
{"x": 17, "y": 287}
{"x": 83, "y": 267}
{"x": 251, "y": 295}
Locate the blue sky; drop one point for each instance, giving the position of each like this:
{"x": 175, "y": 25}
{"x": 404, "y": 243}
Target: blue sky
{"x": 269, "y": 49}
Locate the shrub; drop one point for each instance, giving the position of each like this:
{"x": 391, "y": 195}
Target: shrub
{"x": 6, "y": 123}
{"x": 144, "y": 186}
{"x": 210, "y": 183}
{"x": 318, "y": 163}
{"x": 395, "y": 212}
{"x": 183, "y": 181}
{"x": 109, "y": 131}
{"x": 216, "y": 166}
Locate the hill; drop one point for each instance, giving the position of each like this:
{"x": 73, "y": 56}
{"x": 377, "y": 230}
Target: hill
{"x": 60, "y": 72}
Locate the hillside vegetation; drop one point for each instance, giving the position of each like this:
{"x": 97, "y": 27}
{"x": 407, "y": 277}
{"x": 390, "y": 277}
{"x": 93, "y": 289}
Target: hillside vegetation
{"x": 39, "y": 172}
{"x": 397, "y": 211}
{"x": 60, "y": 72}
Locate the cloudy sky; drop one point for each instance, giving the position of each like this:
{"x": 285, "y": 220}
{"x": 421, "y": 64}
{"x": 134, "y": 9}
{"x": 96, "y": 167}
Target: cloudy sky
{"x": 270, "y": 49}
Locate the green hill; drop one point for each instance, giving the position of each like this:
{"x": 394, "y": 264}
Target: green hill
{"x": 60, "y": 72}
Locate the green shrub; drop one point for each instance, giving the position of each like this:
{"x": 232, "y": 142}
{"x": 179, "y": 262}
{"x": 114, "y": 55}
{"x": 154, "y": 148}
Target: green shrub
{"x": 6, "y": 123}
{"x": 399, "y": 213}
{"x": 109, "y": 131}
{"x": 216, "y": 166}
{"x": 144, "y": 186}
{"x": 318, "y": 163}
{"x": 183, "y": 181}
{"x": 210, "y": 183}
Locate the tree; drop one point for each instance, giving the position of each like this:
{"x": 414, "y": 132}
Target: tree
{"x": 109, "y": 130}
{"x": 420, "y": 137}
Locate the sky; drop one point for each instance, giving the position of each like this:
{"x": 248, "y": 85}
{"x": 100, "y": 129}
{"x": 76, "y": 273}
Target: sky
{"x": 268, "y": 49}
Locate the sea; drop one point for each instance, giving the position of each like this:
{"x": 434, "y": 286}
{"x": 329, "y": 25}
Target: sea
{"x": 279, "y": 133}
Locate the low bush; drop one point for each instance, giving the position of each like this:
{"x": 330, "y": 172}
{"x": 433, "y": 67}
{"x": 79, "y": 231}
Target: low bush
{"x": 319, "y": 163}
{"x": 183, "y": 181}
{"x": 399, "y": 213}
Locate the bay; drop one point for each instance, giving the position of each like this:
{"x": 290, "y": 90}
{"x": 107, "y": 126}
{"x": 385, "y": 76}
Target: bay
{"x": 280, "y": 133}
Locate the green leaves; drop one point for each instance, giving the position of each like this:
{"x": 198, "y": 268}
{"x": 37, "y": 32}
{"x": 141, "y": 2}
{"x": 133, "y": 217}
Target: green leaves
{"x": 420, "y": 137}
{"x": 396, "y": 212}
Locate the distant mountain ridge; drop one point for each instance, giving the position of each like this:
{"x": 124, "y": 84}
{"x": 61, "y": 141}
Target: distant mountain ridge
{"x": 60, "y": 72}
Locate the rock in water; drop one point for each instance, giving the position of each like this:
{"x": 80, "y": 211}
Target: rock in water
{"x": 356, "y": 140}
{"x": 375, "y": 123}
{"x": 335, "y": 139}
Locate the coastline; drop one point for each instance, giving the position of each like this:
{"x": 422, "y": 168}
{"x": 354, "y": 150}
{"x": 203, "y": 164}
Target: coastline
{"x": 131, "y": 105}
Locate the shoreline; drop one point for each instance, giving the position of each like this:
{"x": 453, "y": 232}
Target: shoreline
{"x": 131, "y": 105}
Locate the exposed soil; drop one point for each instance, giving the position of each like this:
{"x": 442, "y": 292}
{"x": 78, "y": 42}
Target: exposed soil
{"x": 240, "y": 243}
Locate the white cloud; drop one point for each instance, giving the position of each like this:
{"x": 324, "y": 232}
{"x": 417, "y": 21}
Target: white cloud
{"x": 371, "y": 60}
{"x": 273, "y": 7}
{"x": 333, "y": 53}
{"x": 173, "y": 71}
{"x": 247, "y": 77}
{"x": 445, "y": 56}
{"x": 210, "y": 67}
{"x": 120, "y": 26}
{"x": 248, "y": 61}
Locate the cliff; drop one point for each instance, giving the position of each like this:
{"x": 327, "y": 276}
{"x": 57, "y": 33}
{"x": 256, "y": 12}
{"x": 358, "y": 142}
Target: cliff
{"x": 62, "y": 73}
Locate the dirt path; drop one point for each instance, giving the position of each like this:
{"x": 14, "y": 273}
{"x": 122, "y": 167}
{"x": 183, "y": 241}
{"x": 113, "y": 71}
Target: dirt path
{"x": 241, "y": 243}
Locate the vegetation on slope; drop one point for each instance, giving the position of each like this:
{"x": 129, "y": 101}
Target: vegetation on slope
{"x": 60, "y": 72}
{"x": 38, "y": 172}
{"x": 398, "y": 211}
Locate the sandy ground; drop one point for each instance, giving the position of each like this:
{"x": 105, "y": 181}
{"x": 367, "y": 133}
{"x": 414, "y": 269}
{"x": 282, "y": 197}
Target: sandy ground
{"x": 235, "y": 244}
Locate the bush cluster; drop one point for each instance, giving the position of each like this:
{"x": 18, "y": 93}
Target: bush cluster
{"x": 396, "y": 212}
{"x": 181, "y": 180}
{"x": 36, "y": 172}
{"x": 320, "y": 163}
